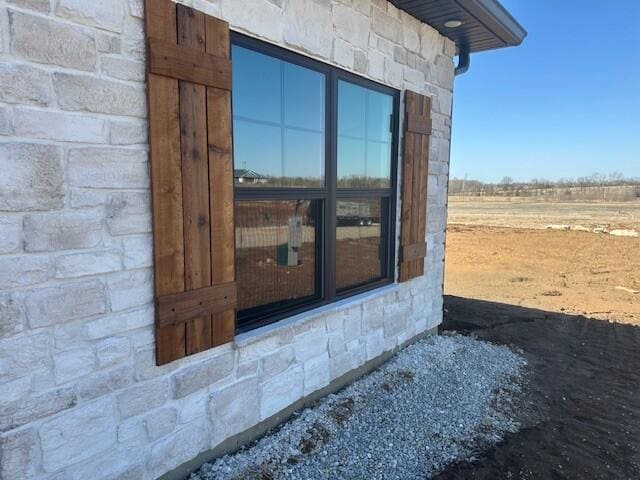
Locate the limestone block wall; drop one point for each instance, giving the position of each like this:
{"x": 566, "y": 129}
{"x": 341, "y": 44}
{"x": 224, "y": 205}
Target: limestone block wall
{"x": 80, "y": 395}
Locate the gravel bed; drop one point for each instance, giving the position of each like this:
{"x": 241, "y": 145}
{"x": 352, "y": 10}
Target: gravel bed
{"x": 442, "y": 399}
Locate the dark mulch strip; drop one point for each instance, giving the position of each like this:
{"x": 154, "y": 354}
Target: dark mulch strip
{"x": 585, "y": 386}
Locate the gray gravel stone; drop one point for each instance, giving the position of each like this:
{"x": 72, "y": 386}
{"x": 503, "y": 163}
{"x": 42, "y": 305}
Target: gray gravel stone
{"x": 439, "y": 400}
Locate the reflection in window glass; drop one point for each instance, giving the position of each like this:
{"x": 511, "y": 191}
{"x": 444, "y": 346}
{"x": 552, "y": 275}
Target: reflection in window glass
{"x": 379, "y": 109}
{"x": 266, "y": 145}
{"x": 359, "y": 245}
{"x": 256, "y": 86}
{"x": 355, "y": 150}
{"x": 275, "y": 251}
{"x": 303, "y": 98}
{"x": 379, "y": 160}
{"x": 278, "y": 122}
{"x": 304, "y": 152}
{"x": 364, "y": 137}
{"x": 352, "y": 110}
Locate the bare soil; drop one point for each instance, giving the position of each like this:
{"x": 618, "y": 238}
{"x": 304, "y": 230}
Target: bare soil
{"x": 566, "y": 299}
{"x": 573, "y": 272}
{"x": 532, "y": 213}
{"x": 584, "y": 387}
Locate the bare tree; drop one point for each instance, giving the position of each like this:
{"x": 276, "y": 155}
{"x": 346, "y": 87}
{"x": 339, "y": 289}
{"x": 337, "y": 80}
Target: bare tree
{"x": 616, "y": 178}
{"x": 506, "y": 181}
{"x": 596, "y": 185}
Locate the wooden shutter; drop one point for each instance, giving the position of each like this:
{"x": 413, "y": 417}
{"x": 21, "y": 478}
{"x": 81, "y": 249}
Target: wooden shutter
{"x": 189, "y": 94}
{"x": 417, "y": 129}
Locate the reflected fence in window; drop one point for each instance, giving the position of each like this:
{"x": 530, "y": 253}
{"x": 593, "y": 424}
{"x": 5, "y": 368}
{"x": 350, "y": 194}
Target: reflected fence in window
{"x": 275, "y": 251}
{"x": 360, "y": 253}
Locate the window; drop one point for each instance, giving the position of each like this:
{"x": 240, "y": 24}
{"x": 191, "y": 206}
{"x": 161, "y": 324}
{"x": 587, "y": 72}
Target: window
{"x": 314, "y": 176}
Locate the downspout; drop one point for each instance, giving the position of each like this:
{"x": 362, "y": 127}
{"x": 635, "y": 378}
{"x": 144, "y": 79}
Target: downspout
{"x": 464, "y": 60}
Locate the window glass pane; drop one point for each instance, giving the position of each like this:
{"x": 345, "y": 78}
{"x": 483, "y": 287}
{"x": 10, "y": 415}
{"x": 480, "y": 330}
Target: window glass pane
{"x": 275, "y": 251}
{"x": 364, "y": 137}
{"x": 360, "y": 249}
{"x": 379, "y": 110}
{"x": 278, "y": 121}
{"x": 378, "y": 164}
{"x": 353, "y": 153}
{"x": 352, "y": 107}
{"x": 303, "y": 98}
{"x": 256, "y": 86}
{"x": 304, "y": 154}
{"x": 256, "y": 141}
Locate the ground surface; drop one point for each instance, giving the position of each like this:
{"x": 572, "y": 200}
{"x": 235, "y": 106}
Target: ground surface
{"x": 527, "y": 213}
{"x": 440, "y": 400}
{"x": 585, "y": 385}
{"x": 562, "y": 271}
{"x": 519, "y": 287}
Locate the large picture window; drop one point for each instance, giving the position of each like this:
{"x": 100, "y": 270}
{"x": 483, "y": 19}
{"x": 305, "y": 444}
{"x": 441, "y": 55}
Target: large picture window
{"x": 314, "y": 171}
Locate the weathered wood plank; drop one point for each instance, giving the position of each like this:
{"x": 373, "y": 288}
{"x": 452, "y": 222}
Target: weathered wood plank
{"x": 420, "y": 124}
{"x": 414, "y": 251}
{"x": 221, "y": 181}
{"x": 422, "y": 205}
{"x": 166, "y": 181}
{"x": 160, "y": 19}
{"x": 195, "y": 184}
{"x": 415, "y": 200}
{"x": 188, "y": 64}
{"x": 407, "y": 185}
{"x": 182, "y": 307}
{"x": 415, "y": 171}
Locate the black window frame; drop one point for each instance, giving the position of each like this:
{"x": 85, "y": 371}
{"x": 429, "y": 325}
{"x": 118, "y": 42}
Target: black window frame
{"x": 328, "y": 195}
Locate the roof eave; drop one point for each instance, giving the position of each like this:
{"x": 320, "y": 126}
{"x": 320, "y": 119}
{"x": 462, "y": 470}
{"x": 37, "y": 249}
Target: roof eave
{"x": 497, "y": 19}
{"x": 486, "y": 24}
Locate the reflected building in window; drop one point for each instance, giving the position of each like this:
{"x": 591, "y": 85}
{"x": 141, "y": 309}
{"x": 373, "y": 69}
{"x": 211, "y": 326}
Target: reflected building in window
{"x": 248, "y": 177}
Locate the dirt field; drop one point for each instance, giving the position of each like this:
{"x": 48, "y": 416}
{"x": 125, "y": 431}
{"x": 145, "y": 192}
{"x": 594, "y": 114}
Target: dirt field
{"x": 526, "y": 213}
{"x": 499, "y": 249}
{"x": 572, "y": 272}
{"x": 566, "y": 299}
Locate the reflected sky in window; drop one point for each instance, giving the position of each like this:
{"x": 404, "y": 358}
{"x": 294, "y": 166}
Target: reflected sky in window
{"x": 278, "y": 120}
{"x": 364, "y": 137}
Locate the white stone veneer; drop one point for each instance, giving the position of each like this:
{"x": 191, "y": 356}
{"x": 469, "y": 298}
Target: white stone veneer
{"x": 80, "y": 395}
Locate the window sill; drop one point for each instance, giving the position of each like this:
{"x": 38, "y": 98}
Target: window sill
{"x": 247, "y": 338}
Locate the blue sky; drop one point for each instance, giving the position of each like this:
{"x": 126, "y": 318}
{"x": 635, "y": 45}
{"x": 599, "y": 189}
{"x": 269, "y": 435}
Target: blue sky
{"x": 566, "y": 103}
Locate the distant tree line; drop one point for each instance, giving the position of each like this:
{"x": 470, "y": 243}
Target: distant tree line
{"x": 596, "y": 186}
{"x": 352, "y": 181}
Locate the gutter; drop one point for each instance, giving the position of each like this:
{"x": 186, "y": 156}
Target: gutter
{"x": 464, "y": 61}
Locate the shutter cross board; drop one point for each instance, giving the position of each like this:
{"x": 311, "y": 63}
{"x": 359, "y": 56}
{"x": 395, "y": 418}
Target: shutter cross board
{"x": 181, "y": 307}
{"x": 415, "y": 163}
{"x": 189, "y": 93}
{"x": 188, "y": 64}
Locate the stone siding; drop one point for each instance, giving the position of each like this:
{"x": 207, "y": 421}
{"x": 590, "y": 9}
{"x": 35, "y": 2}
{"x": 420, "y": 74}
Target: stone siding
{"x": 80, "y": 395}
